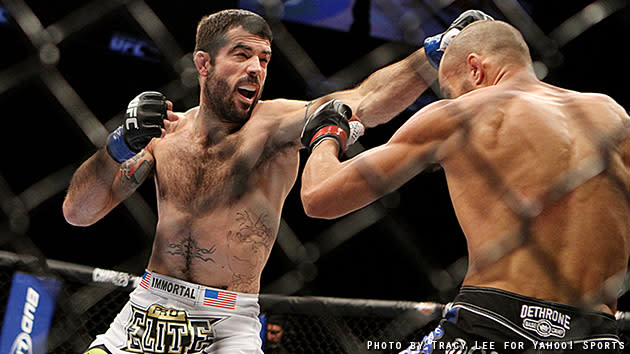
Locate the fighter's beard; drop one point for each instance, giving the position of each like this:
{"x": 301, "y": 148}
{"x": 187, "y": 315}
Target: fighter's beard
{"x": 219, "y": 99}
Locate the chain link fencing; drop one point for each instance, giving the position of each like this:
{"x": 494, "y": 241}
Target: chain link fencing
{"x": 42, "y": 78}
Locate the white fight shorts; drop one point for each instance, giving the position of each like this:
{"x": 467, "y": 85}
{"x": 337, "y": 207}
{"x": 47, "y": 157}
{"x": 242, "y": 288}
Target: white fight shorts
{"x": 168, "y": 315}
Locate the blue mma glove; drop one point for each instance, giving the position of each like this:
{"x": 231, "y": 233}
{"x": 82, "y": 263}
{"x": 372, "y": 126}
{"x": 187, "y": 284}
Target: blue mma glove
{"x": 435, "y": 46}
{"x": 144, "y": 120}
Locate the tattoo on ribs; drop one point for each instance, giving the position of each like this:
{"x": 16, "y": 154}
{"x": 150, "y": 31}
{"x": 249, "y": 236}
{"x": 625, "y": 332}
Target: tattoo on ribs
{"x": 189, "y": 249}
{"x": 250, "y": 230}
{"x": 243, "y": 281}
{"x": 249, "y": 247}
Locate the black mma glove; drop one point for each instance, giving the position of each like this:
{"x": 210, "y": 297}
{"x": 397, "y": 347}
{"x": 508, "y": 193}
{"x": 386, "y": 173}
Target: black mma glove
{"x": 435, "y": 46}
{"x": 144, "y": 121}
{"x": 329, "y": 121}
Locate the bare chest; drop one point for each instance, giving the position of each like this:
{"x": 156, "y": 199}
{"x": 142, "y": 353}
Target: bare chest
{"x": 200, "y": 177}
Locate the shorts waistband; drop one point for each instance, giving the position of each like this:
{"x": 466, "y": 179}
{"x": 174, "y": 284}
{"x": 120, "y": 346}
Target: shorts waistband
{"x": 543, "y": 319}
{"x": 195, "y": 294}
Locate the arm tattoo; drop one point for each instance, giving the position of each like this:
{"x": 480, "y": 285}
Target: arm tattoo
{"x": 135, "y": 170}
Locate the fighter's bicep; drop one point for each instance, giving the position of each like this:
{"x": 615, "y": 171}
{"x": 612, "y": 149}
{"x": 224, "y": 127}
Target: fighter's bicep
{"x": 286, "y": 119}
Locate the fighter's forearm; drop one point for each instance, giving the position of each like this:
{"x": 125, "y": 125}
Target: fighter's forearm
{"x": 89, "y": 193}
{"x": 315, "y": 195}
{"x": 331, "y": 189}
{"x": 388, "y": 91}
{"x": 100, "y": 184}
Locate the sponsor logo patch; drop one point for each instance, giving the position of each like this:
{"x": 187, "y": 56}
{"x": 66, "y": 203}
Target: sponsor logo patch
{"x": 545, "y": 321}
{"x": 159, "y": 329}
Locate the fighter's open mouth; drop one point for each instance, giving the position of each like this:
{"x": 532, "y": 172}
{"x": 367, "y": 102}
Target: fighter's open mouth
{"x": 248, "y": 91}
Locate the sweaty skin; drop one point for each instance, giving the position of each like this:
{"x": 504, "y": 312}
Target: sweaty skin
{"x": 223, "y": 170}
{"x": 509, "y": 145}
{"x": 219, "y": 203}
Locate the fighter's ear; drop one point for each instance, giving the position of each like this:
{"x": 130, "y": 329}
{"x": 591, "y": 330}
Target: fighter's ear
{"x": 202, "y": 62}
{"x": 475, "y": 68}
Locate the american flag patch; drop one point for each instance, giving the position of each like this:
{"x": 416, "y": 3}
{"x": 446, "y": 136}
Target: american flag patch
{"x": 146, "y": 280}
{"x": 222, "y": 299}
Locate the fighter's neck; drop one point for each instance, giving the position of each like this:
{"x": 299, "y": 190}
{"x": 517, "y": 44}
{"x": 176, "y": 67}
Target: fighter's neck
{"x": 513, "y": 73}
{"x": 211, "y": 126}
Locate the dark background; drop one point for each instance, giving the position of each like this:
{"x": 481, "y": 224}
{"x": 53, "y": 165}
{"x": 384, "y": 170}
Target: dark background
{"x": 410, "y": 248}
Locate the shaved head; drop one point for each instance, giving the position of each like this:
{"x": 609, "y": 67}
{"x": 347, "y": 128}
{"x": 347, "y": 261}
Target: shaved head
{"x": 494, "y": 41}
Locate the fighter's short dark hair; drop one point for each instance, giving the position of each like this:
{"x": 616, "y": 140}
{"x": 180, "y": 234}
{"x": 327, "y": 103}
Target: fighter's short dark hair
{"x": 212, "y": 29}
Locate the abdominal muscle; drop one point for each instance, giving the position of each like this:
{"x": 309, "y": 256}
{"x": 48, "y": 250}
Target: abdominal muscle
{"x": 225, "y": 248}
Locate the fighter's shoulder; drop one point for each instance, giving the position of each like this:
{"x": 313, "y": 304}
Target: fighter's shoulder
{"x": 189, "y": 113}
{"x": 280, "y": 108}
{"x": 280, "y": 105}
{"x": 177, "y": 120}
{"x": 434, "y": 121}
{"x": 184, "y": 115}
{"x": 600, "y": 103}
{"x": 464, "y": 105}
{"x": 593, "y": 97}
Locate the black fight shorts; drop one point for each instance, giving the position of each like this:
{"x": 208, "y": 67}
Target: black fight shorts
{"x": 492, "y": 321}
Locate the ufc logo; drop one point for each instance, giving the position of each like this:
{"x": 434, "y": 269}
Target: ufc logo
{"x": 131, "y": 121}
{"x": 132, "y": 113}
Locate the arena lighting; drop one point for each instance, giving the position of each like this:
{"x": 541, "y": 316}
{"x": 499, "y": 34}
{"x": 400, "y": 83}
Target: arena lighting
{"x": 4, "y": 16}
{"x": 585, "y": 19}
{"x": 394, "y": 20}
{"x": 135, "y": 47}
{"x": 52, "y": 87}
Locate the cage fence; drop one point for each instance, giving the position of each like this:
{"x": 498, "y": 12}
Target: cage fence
{"x": 89, "y": 297}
